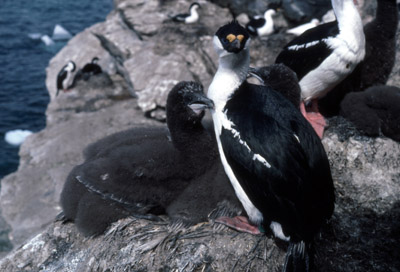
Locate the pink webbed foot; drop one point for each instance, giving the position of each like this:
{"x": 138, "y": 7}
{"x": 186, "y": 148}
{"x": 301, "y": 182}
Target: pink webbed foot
{"x": 316, "y": 120}
{"x": 239, "y": 223}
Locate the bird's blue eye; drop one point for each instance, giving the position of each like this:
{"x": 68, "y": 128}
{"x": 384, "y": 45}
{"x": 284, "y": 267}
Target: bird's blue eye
{"x": 225, "y": 41}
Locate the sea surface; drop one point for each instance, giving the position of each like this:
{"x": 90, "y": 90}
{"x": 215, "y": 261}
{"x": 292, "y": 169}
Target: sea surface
{"x": 23, "y": 60}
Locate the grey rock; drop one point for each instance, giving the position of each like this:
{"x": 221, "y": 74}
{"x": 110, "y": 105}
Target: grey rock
{"x": 362, "y": 235}
{"x": 144, "y": 58}
{"x": 249, "y": 7}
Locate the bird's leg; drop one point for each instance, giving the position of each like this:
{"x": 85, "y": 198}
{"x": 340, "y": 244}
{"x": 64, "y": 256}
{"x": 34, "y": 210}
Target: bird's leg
{"x": 313, "y": 116}
{"x": 239, "y": 223}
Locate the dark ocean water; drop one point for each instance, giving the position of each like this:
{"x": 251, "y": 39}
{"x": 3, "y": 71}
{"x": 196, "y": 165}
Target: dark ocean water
{"x": 23, "y": 95}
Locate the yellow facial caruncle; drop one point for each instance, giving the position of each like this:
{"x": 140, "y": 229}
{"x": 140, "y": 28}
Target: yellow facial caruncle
{"x": 232, "y": 37}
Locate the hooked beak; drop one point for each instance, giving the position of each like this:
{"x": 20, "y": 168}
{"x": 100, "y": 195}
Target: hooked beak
{"x": 200, "y": 102}
{"x": 234, "y": 46}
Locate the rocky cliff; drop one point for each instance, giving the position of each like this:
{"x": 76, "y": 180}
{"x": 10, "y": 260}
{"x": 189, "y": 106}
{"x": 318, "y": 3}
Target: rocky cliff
{"x": 144, "y": 54}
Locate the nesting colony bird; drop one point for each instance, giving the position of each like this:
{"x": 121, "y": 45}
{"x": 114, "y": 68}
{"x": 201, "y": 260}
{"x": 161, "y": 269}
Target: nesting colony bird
{"x": 64, "y": 76}
{"x": 280, "y": 78}
{"x": 141, "y": 172}
{"x": 92, "y": 68}
{"x": 262, "y": 25}
{"x": 272, "y": 156}
{"x": 89, "y": 69}
{"x": 298, "y": 30}
{"x": 324, "y": 55}
{"x": 380, "y": 55}
{"x": 188, "y": 18}
{"x": 375, "y": 111}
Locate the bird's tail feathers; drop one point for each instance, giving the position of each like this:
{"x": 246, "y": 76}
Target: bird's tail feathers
{"x": 298, "y": 257}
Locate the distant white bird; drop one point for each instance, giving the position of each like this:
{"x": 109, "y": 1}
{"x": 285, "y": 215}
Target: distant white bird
{"x": 262, "y": 25}
{"x": 16, "y": 137}
{"x": 298, "y": 30}
{"x": 188, "y": 18}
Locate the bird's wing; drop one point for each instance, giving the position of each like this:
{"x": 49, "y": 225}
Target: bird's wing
{"x": 308, "y": 51}
{"x": 278, "y": 160}
{"x": 60, "y": 78}
{"x": 135, "y": 172}
{"x": 257, "y": 22}
{"x": 180, "y": 17}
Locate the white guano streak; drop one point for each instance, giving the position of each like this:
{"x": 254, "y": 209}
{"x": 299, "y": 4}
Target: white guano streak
{"x": 228, "y": 125}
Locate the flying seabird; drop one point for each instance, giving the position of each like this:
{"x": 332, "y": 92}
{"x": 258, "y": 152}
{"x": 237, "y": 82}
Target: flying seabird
{"x": 188, "y": 18}
{"x": 325, "y": 55}
{"x": 262, "y": 25}
{"x": 271, "y": 154}
{"x": 64, "y": 76}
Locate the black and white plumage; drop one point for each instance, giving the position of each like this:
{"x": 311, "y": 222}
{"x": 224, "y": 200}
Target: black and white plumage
{"x": 374, "y": 111}
{"x": 188, "y": 18}
{"x": 92, "y": 68}
{"x": 262, "y": 25}
{"x": 324, "y": 55}
{"x": 273, "y": 158}
{"x": 380, "y": 52}
{"x": 64, "y": 76}
{"x": 146, "y": 171}
{"x": 89, "y": 69}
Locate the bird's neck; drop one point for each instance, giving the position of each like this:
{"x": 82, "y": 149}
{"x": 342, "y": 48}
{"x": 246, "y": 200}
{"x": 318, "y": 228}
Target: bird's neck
{"x": 268, "y": 19}
{"x": 349, "y": 22}
{"x": 193, "y": 11}
{"x": 232, "y": 72}
{"x": 194, "y": 143}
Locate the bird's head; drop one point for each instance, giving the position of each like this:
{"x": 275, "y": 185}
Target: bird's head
{"x": 187, "y": 103}
{"x": 195, "y": 5}
{"x": 95, "y": 60}
{"x": 270, "y": 12}
{"x": 231, "y": 38}
{"x": 70, "y": 67}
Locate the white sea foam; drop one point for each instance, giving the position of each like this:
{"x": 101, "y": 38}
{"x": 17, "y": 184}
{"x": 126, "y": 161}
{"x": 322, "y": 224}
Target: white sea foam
{"x": 16, "y": 137}
{"x": 60, "y": 33}
{"x": 35, "y": 36}
{"x": 47, "y": 40}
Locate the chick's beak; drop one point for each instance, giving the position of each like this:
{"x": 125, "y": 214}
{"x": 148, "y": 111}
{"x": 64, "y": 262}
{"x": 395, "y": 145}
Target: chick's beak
{"x": 201, "y": 102}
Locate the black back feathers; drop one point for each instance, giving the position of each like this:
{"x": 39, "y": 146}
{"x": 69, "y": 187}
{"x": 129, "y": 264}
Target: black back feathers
{"x": 90, "y": 69}
{"x": 307, "y": 51}
{"x": 142, "y": 171}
